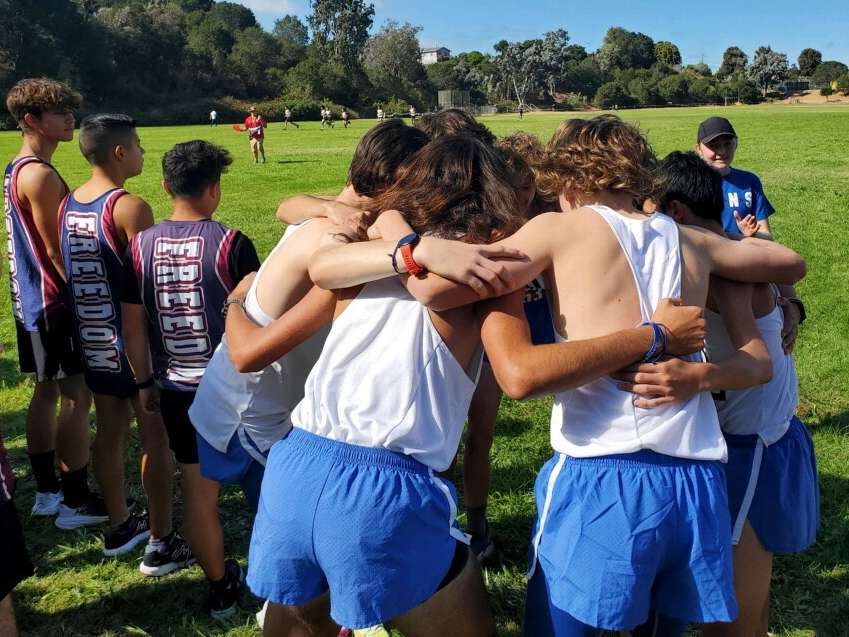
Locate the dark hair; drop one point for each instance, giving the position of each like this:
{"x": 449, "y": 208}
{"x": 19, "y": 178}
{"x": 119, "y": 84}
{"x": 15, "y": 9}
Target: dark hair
{"x": 37, "y": 95}
{"x": 687, "y": 178}
{"x": 191, "y": 167}
{"x": 456, "y": 187}
{"x": 453, "y": 121}
{"x": 99, "y": 134}
{"x": 380, "y": 154}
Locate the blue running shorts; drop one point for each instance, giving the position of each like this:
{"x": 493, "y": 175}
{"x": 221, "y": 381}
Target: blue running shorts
{"x": 775, "y": 488}
{"x": 619, "y": 537}
{"x": 242, "y": 464}
{"x": 373, "y": 527}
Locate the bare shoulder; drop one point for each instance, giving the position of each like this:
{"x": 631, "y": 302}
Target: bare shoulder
{"x": 37, "y": 177}
{"x": 132, "y": 204}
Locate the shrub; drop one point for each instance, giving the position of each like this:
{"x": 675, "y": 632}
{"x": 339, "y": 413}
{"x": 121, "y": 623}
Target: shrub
{"x": 613, "y": 94}
{"x": 826, "y": 92}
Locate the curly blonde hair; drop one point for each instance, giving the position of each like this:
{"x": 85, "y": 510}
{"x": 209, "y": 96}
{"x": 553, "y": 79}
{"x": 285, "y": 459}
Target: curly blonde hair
{"x": 589, "y": 156}
{"x": 39, "y": 95}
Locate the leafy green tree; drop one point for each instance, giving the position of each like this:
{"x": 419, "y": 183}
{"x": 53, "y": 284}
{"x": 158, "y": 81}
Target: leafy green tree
{"x": 341, "y": 28}
{"x": 733, "y": 60}
{"x": 392, "y": 61}
{"x": 292, "y": 39}
{"x": 809, "y": 60}
{"x": 253, "y": 52}
{"x": 584, "y": 77}
{"x": 612, "y": 94}
{"x": 667, "y": 53}
{"x": 698, "y": 70}
{"x": 623, "y": 49}
{"x": 829, "y": 71}
{"x": 673, "y": 89}
{"x": 644, "y": 91}
{"x": 520, "y": 65}
{"x": 703, "y": 90}
{"x": 768, "y": 69}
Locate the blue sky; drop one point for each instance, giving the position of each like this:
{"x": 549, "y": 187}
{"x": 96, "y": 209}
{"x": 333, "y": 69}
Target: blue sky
{"x": 700, "y": 29}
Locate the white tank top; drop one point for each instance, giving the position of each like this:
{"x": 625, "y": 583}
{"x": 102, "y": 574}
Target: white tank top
{"x": 385, "y": 378}
{"x": 599, "y": 419}
{"x": 765, "y": 410}
{"x": 257, "y": 404}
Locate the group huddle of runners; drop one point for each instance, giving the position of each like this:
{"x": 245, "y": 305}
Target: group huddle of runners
{"x": 334, "y": 384}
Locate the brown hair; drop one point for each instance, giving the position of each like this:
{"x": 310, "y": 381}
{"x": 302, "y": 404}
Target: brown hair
{"x": 379, "y": 155}
{"x": 456, "y": 187}
{"x": 599, "y": 154}
{"x": 453, "y": 121}
{"x": 525, "y": 153}
{"x": 39, "y": 95}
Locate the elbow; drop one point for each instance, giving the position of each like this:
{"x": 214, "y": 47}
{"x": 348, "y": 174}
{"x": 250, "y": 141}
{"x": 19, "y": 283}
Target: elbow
{"x": 243, "y": 362}
{"x": 795, "y": 271}
{"x": 764, "y": 372}
{"x": 516, "y": 383}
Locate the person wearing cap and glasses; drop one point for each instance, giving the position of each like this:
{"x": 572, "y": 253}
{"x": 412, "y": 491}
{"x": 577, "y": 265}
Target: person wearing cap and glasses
{"x": 747, "y": 208}
{"x": 255, "y": 126}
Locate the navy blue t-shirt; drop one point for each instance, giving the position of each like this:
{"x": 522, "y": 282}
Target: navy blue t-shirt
{"x": 743, "y": 193}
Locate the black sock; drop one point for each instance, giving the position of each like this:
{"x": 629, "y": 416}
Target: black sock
{"x": 44, "y": 471}
{"x": 75, "y": 486}
{"x": 476, "y": 520}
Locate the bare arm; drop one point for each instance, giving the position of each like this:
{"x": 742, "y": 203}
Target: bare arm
{"x": 253, "y": 348}
{"x": 302, "y": 207}
{"x": 750, "y": 260}
{"x": 43, "y": 190}
{"x": 134, "y": 326}
{"x": 132, "y": 215}
{"x": 675, "y": 380}
{"x": 524, "y": 369}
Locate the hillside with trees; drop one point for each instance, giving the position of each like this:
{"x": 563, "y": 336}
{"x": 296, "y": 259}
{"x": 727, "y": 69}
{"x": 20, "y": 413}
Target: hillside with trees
{"x": 171, "y": 60}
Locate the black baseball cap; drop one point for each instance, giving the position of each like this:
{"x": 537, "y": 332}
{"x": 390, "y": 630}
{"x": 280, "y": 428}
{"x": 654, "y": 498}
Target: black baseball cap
{"x": 714, "y": 127}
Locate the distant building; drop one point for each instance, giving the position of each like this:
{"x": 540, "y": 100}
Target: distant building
{"x": 432, "y": 56}
{"x": 795, "y": 86}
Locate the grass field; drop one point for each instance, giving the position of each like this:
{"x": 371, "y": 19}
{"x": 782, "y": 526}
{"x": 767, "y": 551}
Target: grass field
{"x": 800, "y": 154}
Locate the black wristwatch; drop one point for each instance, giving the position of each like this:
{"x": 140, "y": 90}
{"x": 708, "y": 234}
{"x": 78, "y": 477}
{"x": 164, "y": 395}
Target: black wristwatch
{"x": 798, "y": 303}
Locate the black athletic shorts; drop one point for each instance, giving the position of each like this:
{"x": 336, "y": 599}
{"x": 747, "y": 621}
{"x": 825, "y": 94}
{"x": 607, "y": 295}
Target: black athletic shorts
{"x": 49, "y": 354}
{"x": 182, "y": 438}
{"x": 14, "y": 558}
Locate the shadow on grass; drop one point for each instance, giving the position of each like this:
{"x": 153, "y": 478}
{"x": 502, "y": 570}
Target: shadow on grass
{"x": 296, "y": 161}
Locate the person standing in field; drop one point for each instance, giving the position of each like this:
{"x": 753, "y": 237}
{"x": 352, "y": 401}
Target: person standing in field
{"x": 287, "y": 118}
{"x": 747, "y": 209}
{"x": 381, "y": 115}
{"x": 345, "y": 117}
{"x": 413, "y": 114}
{"x": 178, "y": 274}
{"x": 33, "y": 190}
{"x": 213, "y": 117}
{"x": 521, "y": 110}
{"x": 96, "y": 222}
{"x": 255, "y": 126}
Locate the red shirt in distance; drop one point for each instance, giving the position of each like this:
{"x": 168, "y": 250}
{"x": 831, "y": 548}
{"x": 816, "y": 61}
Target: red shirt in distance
{"x": 254, "y": 122}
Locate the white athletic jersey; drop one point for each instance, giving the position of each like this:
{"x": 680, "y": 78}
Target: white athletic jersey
{"x": 213, "y": 114}
{"x": 599, "y": 419}
{"x": 385, "y": 378}
{"x": 256, "y": 403}
{"x": 765, "y": 410}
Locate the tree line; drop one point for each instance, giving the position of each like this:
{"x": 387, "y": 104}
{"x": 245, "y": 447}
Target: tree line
{"x": 161, "y": 56}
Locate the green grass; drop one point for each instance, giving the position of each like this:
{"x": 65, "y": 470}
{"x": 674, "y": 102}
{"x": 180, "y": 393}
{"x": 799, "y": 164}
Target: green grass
{"x": 800, "y": 154}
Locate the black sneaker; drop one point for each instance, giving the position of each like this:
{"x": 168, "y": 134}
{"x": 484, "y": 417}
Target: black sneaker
{"x": 225, "y": 595}
{"x": 127, "y": 536}
{"x": 482, "y": 545}
{"x": 169, "y": 554}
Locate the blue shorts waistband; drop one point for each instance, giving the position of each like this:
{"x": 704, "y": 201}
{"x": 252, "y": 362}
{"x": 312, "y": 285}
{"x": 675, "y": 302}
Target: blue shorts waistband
{"x": 372, "y": 456}
{"x": 751, "y": 440}
{"x": 642, "y": 459}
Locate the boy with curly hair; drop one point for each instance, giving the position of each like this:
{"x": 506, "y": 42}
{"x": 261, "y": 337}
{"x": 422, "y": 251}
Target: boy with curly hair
{"x": 44, "y": 110}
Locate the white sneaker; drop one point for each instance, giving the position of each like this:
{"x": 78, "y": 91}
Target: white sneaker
{"x": 46, "y": 503}
{"x": 92, "y": 512}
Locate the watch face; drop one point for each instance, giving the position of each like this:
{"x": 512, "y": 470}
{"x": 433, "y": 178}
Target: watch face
{"x": 409, "y": 240}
